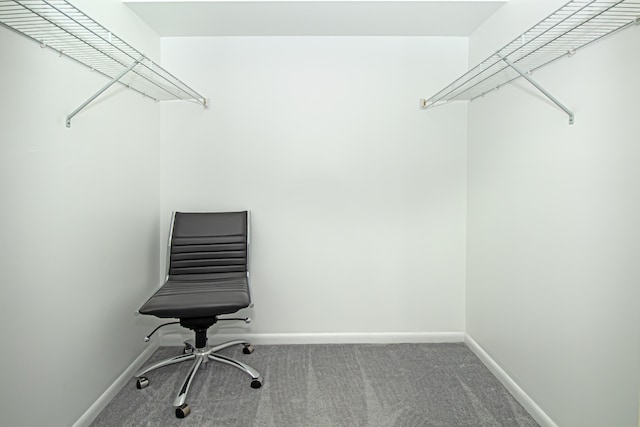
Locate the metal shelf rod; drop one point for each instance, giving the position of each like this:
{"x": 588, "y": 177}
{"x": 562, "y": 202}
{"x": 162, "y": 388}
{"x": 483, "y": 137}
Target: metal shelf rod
{"x": 60, "y": 26}
{"x": 437, "y": 97}
{"x": 109, "y": 44}
{"x": 575, "y": 25}
{"x": 98, "y": 93}
{"x": 541, "y": 89}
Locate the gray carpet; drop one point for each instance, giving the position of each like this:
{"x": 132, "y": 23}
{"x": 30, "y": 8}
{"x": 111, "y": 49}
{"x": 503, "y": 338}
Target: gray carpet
{"x": 327, "y": 385}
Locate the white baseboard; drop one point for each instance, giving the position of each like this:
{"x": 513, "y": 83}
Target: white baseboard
{"x": 523, "y": 398}
{"x": 94, "y": 410}
{"x": 171, "y": 339}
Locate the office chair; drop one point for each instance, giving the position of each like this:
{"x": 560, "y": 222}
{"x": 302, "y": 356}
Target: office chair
{"x": 207, "y": 276}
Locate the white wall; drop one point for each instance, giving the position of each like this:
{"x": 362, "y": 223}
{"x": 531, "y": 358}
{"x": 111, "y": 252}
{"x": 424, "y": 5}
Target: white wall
{"x": 553, "y": 231}
{"x": 357, "y": 196}
{"x": 79, "y": 247}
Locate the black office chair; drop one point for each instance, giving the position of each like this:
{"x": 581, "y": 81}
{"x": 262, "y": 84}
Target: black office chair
{"x": 207, "y": 277}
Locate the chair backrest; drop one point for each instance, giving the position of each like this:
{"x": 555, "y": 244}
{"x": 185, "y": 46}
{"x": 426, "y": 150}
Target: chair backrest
{"x": 209, "y": 244}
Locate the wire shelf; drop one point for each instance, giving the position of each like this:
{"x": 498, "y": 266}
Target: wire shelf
{"x": 572, "y": 27}
{"x": 60, "y": 26}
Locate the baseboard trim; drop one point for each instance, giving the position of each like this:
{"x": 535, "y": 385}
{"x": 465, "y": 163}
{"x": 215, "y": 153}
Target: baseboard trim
{"x": 523, "y": 398}
{"x": 94, "y": 410}
{"x": 171, "y": 339}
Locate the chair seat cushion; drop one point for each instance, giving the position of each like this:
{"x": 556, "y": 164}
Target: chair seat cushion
{"x": 199, "y": 297}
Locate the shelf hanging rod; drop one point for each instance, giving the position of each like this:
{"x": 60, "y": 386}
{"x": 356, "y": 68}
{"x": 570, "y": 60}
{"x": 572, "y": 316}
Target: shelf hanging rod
{"x": 525, "y": 40}
{"x": 540, "y": 88}
{"x": 98, "y": 93}
{"x": 131, "y": 53}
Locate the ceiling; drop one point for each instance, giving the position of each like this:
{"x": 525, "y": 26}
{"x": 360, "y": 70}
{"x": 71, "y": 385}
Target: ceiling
{"x": 178, "y": 18}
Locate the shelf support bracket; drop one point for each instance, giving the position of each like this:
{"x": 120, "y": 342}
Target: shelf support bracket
{"x": 540, "y": 88}
{"x": 98, "y": 93}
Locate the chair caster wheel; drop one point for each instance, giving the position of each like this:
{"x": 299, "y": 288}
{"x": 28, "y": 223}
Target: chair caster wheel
{"x": 256, "y": 384}
{"x": 142, "y": 382}
{"x": 187, "y": 349}
{"x": 183, "y": 410}
{"x": 248, "y": 349}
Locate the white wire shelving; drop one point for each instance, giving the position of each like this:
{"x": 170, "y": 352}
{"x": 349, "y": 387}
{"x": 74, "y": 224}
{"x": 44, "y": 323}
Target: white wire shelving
{"x": 60, "y": 26}
{"x": 575, "y": 25}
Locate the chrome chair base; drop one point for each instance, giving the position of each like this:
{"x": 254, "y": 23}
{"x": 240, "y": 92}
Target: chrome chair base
{"x": 200, "y": 357}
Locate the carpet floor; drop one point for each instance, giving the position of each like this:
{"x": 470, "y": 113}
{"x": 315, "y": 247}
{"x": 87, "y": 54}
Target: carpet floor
{"x": 326, "y": 385}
